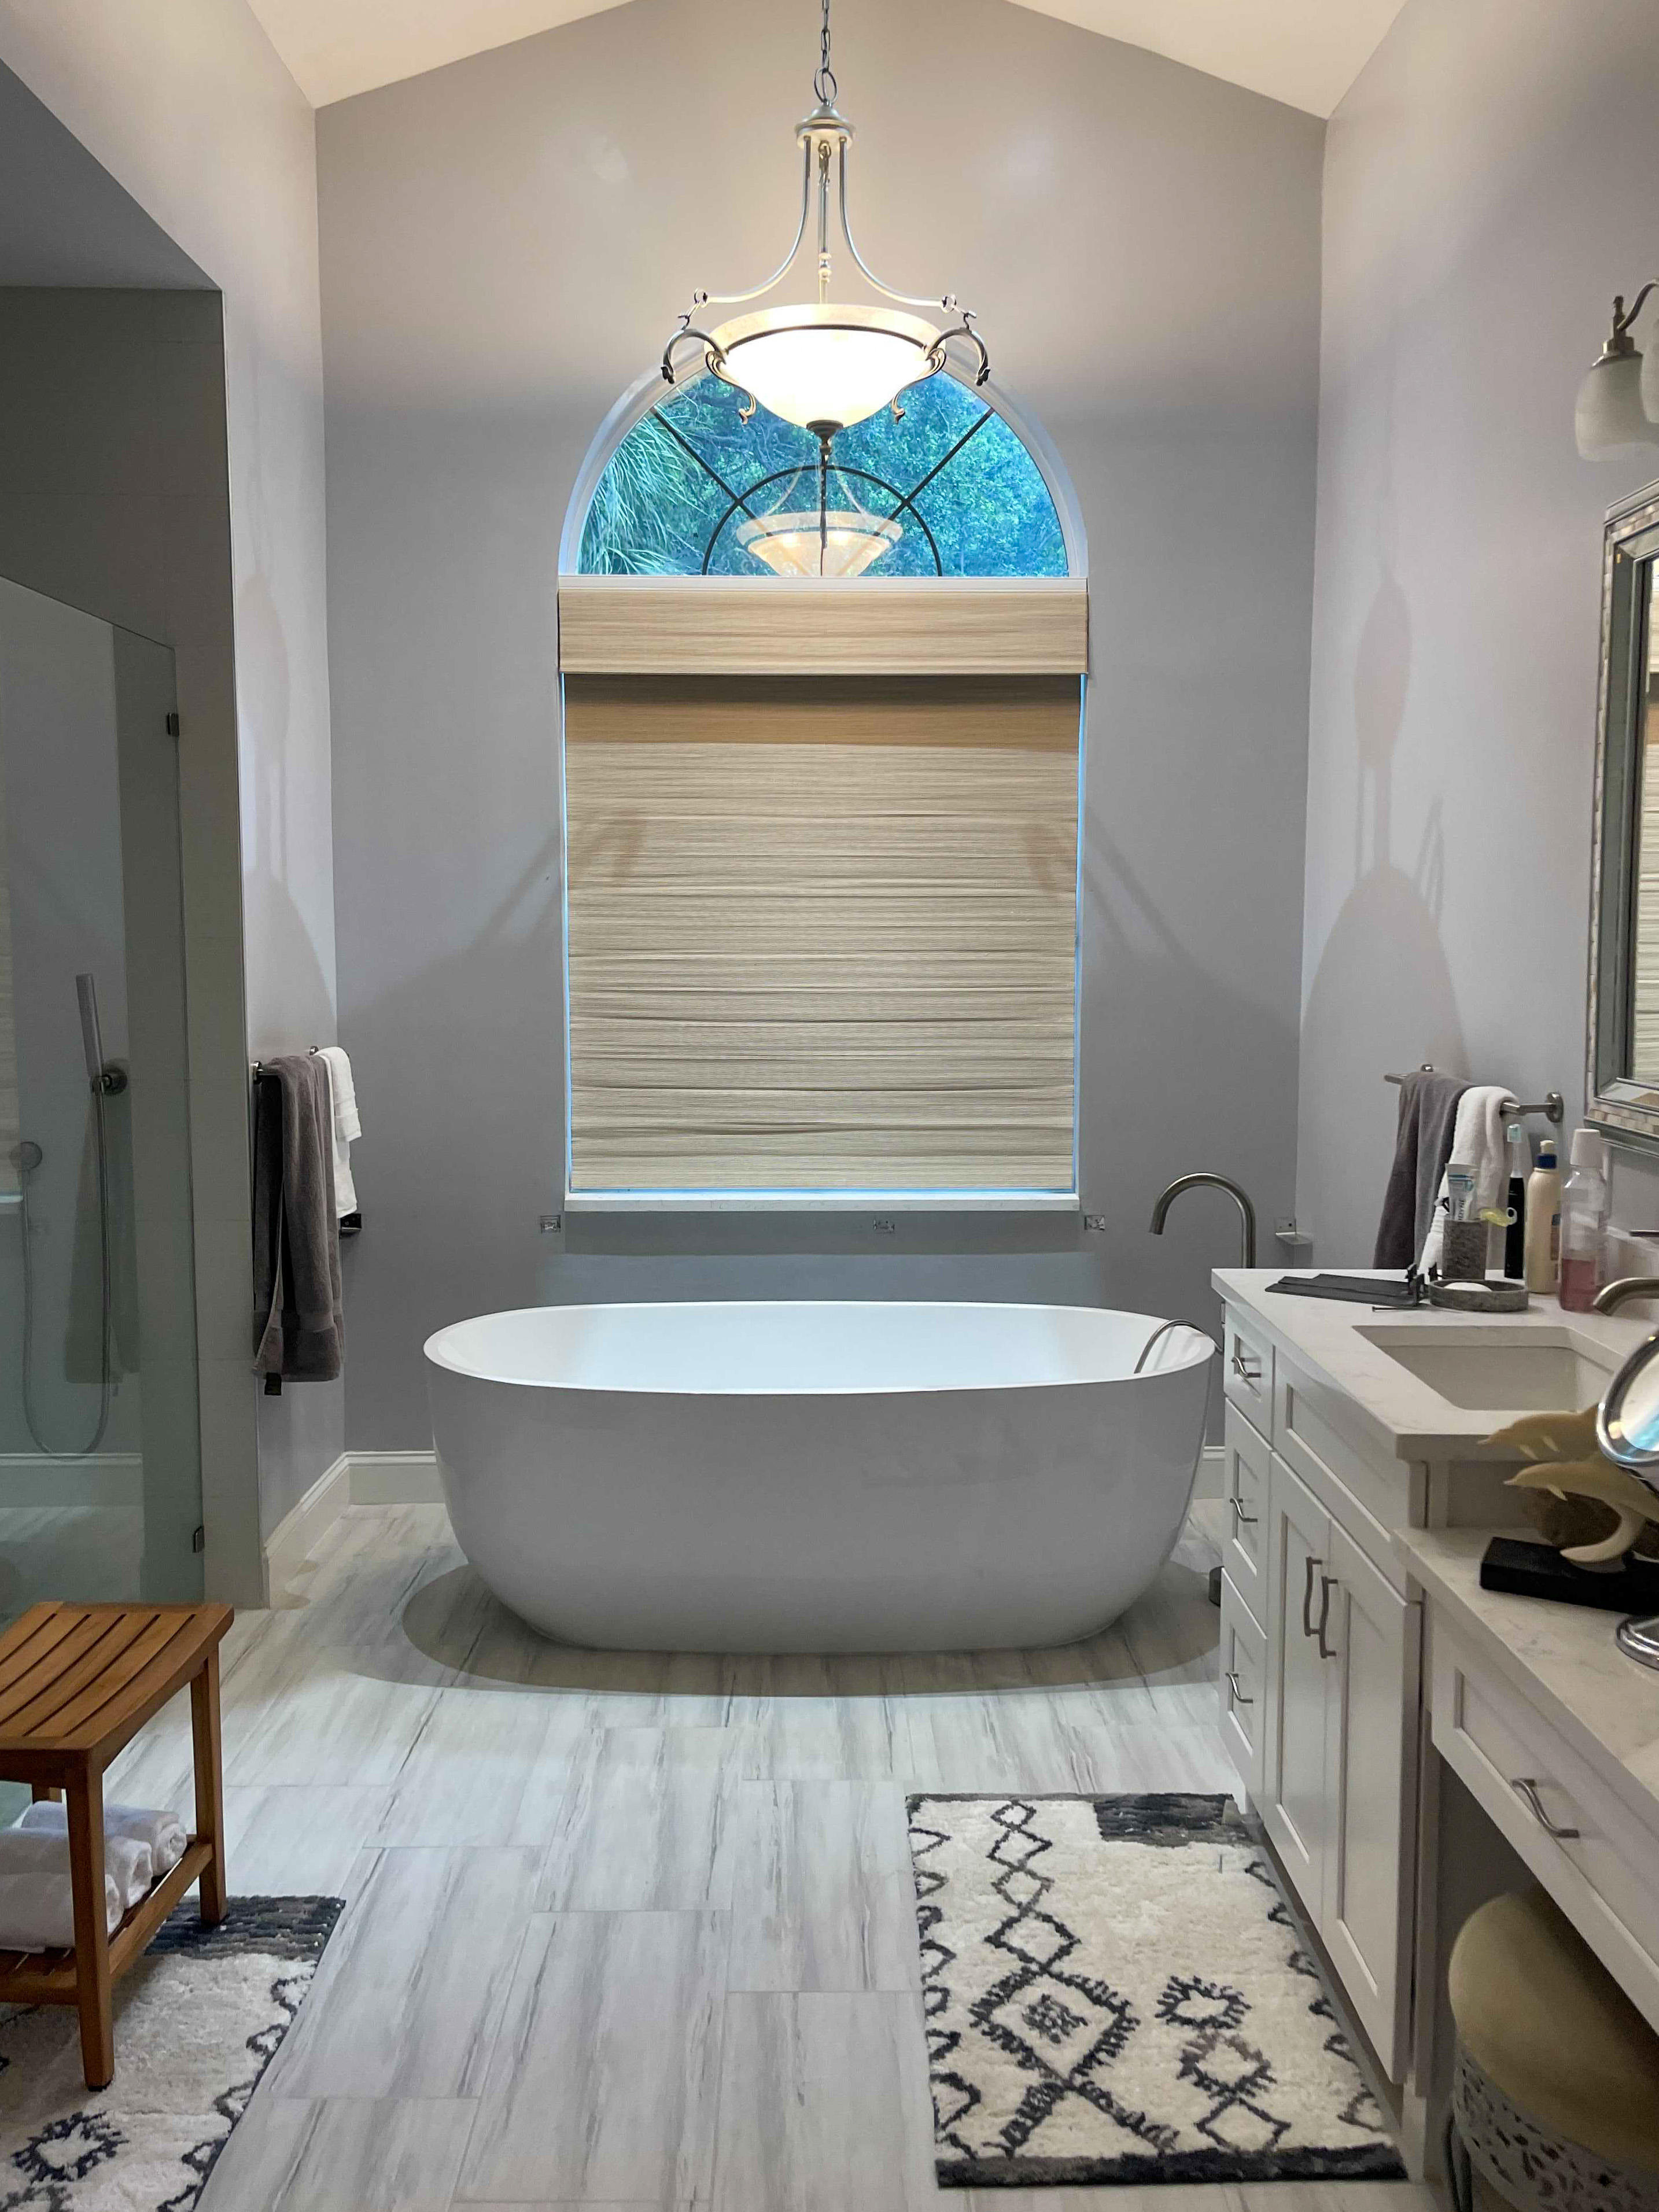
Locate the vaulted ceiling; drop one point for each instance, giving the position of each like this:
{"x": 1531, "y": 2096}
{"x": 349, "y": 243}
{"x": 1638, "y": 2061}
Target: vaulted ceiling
{"x": 1306, "y": 53}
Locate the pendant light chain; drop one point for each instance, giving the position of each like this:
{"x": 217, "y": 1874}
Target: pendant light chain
{"x": 824, "y": 79}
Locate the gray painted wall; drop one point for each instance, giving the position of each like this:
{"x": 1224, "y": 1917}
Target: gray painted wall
{"x": 1484, "y": 197}
{"x": 190, "y": 110}
{"x": 505, "y": 243}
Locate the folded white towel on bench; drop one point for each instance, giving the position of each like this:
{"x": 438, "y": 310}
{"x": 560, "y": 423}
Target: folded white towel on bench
{"x": 164, "y": 1833}
{"x": 37, "y": 1910}
{"x": 37, "y": 1898}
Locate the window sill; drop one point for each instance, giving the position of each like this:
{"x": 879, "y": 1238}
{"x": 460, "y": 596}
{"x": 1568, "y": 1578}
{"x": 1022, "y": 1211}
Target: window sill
{"x": 633, "y": 1204}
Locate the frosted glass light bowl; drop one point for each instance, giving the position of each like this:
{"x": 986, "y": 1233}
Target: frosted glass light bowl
{"x": 826, "y": 367}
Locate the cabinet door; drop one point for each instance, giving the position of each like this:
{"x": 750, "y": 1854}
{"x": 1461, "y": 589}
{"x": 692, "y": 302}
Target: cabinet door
{"x": 1374, "y": 1638}
{"x": 1293, "y": 1797}
{"x": 1241, "y": 1693}
{"x": 1244, "y": 1498}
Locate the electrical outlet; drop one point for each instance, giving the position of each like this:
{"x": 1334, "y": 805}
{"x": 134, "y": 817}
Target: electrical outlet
{"x": 1097, "y": 1221}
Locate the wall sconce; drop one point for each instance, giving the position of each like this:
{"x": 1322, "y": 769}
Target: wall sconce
{"x": 1619, "y": 399}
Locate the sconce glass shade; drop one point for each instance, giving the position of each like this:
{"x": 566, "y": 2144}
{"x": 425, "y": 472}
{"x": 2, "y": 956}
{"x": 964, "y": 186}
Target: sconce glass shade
{"x": 1651, "y": 383}
{"x": 825, "y": 367}
{"x": 1610, "y": 412}
{"x": 835, "y": 543}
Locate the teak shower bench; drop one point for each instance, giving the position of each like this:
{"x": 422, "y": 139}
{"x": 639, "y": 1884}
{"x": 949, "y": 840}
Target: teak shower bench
{"x": 78, "y": 1682}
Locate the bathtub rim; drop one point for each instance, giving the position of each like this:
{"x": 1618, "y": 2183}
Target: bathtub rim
{"x": 1204, "y": 1348}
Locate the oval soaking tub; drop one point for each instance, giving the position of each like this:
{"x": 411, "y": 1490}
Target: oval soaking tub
{"x": 816, "y": 1477}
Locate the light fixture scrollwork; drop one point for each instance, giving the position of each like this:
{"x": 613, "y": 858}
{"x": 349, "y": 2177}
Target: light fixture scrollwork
{"x": 822, "y": 364}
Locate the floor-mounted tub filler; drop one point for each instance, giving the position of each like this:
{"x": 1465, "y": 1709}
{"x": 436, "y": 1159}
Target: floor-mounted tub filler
{"x": 818, "y": 1477}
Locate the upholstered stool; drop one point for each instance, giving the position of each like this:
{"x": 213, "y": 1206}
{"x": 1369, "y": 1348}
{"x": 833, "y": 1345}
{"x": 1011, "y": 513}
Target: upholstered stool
{"x": 1555, "y": 2090}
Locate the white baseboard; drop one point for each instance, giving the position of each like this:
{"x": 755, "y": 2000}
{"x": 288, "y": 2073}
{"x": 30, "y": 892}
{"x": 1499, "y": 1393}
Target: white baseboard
{"x": 395, "y": 1478}
{"x": 355, "y": 1478}
{"x": 305, "y": 1525}
{"x": 112, "y": 1478}
{"x": 1212, "y": 1479}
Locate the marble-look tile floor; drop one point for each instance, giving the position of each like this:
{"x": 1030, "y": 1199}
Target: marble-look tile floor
{"x": 635, "y": 1930}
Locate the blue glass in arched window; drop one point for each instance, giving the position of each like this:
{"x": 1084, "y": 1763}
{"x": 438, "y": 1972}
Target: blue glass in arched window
{"x": 947, "y": 488}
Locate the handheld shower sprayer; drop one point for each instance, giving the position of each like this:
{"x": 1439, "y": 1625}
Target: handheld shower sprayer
{"x": 100, "y": 1074}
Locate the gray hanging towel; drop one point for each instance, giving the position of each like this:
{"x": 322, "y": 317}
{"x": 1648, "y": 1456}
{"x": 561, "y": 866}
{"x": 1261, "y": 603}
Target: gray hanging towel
{"x": 299, "y": 1328}
{"x": 1428, "y": 1115}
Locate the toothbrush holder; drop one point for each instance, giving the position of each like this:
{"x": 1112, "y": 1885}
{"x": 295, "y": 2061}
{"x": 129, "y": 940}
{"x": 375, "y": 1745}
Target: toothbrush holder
{"x": 1463, "y": 1252}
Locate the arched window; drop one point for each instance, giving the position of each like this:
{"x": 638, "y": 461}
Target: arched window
{"x": 945, "y": 488}
{"x": 821, "y": 834}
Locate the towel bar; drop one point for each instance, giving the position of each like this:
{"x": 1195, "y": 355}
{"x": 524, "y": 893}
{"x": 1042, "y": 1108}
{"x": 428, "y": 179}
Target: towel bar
{"x": 1551, "y": 1105}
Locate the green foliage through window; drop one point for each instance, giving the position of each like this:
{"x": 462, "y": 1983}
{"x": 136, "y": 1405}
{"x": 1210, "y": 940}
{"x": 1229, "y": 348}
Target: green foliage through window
{"x": 688, "y": 475}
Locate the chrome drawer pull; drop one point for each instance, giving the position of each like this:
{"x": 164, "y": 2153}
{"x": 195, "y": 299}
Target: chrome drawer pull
{"x": 1525, "y": 1787}
{"x": 1235, "y": 1695}
{"x": 1307, "y": 1595}
{"x": 1247, "y": 1370}
{"x": 1326, "y": 1584}
{"x": 1248, "y": 1520}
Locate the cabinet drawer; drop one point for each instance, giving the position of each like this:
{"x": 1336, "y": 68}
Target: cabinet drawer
{"x": 1245, "y": 1501}
{"x": 1582, "y": 1843}
{"x": 1243, "y": 1674}
{"x": 1247, "y": 1369}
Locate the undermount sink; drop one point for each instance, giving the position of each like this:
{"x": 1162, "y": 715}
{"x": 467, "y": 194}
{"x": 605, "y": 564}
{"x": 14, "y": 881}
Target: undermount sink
{"x": 1502, "y": 1371}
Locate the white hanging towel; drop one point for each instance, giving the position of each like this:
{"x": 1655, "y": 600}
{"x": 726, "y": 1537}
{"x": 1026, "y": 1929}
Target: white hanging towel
{"x": 343, "y": 1094}
{"x": 1478, "y": 1142}
{"x": 162, "y": 1832}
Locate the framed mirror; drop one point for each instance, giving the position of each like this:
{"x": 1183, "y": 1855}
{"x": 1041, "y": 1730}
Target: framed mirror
{"x": 1622, "y": 1073}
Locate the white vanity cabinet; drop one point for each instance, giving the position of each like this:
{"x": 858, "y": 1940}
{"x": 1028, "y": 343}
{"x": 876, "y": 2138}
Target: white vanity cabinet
{"x": 1339, "y": 1750}
{"x": 1320, "y": 1675}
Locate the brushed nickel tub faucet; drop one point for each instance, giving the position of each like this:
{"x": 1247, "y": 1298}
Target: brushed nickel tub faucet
{"x": 1240, "y": 1197}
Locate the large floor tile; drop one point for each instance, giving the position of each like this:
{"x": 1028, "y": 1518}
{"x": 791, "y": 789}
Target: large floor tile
{"x": 488, "y": 1766}
{"x": 822, "y": 1896}
{"x": 309, "y": 1712}
{"x": 824, "y": 2105}
{"x": 347, "y": 2155}
{"x": 411, "y": 1987}
{"x": 289, "y": 1840}
{"x": 605, "y": 2077}
{"x": 648, "y": 1823}
{"x": 835, "y": 1718}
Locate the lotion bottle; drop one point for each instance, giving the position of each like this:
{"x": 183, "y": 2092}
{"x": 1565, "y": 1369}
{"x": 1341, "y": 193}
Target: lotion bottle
{"x": 1544, "y": 1220}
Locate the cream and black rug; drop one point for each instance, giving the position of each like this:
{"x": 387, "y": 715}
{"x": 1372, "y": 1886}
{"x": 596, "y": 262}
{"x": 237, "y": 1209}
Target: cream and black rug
{"x": 1114, "y": 1990}
{"x": 196, "y": 2023}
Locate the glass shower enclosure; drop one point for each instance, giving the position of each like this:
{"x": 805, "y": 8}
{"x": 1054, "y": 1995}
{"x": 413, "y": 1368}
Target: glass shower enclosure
{"x": 100, "y": 1447}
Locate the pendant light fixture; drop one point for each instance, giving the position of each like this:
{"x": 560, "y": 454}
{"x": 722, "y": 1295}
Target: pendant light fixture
{"x": 822, "y": 364}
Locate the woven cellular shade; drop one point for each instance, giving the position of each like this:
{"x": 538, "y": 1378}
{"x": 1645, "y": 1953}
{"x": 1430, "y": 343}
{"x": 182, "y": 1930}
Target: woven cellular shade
{"x": 821, "y": 933}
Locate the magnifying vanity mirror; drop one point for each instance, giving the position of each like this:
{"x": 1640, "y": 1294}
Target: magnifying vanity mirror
{"x": 1622, "y": 1077}
{"x": 1627, "y": 1429}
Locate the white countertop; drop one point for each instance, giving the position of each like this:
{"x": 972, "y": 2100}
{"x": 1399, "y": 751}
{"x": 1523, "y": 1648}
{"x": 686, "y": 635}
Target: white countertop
{"x": 1562, "y": 1658}
{"x": 1409, "y": 1419}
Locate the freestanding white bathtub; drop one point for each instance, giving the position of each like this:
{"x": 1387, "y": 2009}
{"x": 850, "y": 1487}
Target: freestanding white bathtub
{"x": 847, "y": 1477}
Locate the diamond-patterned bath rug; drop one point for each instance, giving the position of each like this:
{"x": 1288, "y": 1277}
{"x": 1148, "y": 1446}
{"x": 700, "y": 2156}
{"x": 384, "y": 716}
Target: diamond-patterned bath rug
{"x": 198, "y": 2019}
{"x": 1114, "y": 1990}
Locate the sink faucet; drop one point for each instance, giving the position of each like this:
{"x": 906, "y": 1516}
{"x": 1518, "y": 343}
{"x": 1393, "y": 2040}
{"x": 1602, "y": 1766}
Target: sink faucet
{"x": 1614, "y": 1295}
{"x": 1240, "y": 1197}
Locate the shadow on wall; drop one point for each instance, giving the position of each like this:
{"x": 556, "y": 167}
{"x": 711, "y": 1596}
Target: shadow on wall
{"x": 1381, "y": 998}
{"x": 1148, "y": 997}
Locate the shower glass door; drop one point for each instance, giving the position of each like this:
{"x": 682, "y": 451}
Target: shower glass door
{"x": 100, "y": 1451}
